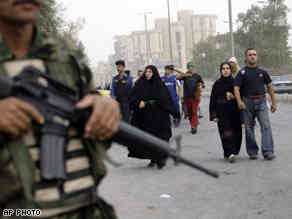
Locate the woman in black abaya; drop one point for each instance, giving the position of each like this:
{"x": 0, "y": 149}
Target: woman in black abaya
{"x": 224, "y": 111}
{"x": 152, "y": 105}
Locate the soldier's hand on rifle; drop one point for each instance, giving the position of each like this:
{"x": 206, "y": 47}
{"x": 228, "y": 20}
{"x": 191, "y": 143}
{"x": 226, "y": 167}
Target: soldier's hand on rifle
{"x": 16, "y": 116}
{"x": 105, "y": 118}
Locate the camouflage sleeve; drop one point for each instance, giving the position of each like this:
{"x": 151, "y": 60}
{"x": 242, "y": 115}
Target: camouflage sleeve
{"x": 85, "y": 73}
{"x": 90, "y": 88}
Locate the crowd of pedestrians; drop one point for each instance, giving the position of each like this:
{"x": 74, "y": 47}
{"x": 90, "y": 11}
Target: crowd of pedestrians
{"x": 154, "y": 104}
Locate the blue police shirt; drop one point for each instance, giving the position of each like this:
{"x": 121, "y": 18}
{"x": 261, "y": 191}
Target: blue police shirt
{"x": 121, "y": 88}
{"x": 170, "y": 83}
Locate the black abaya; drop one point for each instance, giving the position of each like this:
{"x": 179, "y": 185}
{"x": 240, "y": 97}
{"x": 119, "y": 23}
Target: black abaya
{"x": 155, "y": 117}
{"x": 228, "y": 115}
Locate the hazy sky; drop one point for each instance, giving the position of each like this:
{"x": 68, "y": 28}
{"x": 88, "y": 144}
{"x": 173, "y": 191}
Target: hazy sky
{"x": 107, "y": 18}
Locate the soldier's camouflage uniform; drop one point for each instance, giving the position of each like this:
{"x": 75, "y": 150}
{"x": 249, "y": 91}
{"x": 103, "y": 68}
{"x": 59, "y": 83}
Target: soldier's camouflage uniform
{"x": 20, "y": 183}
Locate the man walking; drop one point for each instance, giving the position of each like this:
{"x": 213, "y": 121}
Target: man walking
{"x": 234, "y": 65}
{"x": 122, "y": 85}
{"x": 191, "y": 81}
{"x": 250, "y": 92}
{"x": 139, "y": 75}
{"x": 171, "y": 83}
{"x": 234, "y": 70}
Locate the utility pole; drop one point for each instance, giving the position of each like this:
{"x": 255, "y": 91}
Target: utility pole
{"x": 169, "y": 33}
{"x": 147, "y": 38}
{"x": 231, "y": 29}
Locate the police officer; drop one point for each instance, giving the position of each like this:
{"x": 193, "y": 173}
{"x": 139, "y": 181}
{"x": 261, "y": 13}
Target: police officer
{"x": 173, "y": 86}
{"x": 250, "y": 92}
{"x": 139, "y": 75}
{"x": 22, "y": 44}
{"x": 122, "y": 85}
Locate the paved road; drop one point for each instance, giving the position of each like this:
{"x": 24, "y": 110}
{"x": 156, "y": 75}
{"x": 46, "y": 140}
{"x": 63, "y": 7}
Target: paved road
{"x": 245, "y": 190}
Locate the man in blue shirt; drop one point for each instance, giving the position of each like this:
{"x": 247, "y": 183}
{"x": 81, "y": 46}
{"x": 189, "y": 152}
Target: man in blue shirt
{"x": 122, "y": 85}
{"x": 250, "y": 91}
{"x": 171, "y": 83}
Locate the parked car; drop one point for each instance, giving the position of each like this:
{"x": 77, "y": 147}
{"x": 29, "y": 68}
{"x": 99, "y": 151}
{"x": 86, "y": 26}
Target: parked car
{"x": 282, "y": 84}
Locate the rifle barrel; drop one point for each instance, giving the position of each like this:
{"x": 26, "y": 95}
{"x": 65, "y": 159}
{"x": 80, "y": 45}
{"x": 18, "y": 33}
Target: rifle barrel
{"x": 129, "y": 134}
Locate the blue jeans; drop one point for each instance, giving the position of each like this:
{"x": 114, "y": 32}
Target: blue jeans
{"x": 257, "y": 108}
{"x": 176, "y": 122}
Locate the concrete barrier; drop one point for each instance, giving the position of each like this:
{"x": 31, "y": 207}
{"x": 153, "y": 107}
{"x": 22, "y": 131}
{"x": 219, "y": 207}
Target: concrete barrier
{"x": 284, "y": 98}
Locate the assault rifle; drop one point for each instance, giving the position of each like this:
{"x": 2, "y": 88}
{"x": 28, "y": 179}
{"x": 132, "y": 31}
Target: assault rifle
{"x": 56, "y": 102}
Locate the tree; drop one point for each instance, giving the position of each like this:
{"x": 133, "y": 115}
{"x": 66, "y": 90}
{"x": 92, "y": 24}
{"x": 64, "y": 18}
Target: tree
{"x": 209, "y": 54}
{"x": 267, "y": 30}
{"x": 52, "y": 21}
{"x": 70, "y": 35}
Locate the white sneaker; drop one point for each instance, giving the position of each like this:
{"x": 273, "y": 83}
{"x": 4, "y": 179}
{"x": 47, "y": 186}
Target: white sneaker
{"x": 231, "y": 158}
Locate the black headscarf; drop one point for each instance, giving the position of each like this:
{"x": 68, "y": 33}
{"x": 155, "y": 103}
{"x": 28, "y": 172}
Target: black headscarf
{"x": 153, "y": 89}
{"x": 219, "y": 90}
{"x": 224, "y": 84}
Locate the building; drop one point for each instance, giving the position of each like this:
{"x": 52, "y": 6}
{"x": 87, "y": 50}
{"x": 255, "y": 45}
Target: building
{"x": 103, "y": 75}
{"x": 197, "y": 28}
{"x": 187, "y": 31}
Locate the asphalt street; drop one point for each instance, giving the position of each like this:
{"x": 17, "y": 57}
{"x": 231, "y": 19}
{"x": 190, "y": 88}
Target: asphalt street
{"x": 245, "y": 190}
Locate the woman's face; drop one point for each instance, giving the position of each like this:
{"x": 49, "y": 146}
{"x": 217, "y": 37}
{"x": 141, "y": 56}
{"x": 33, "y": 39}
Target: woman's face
{"x": 226, "y": 71}
{"x": 148, "y": 74}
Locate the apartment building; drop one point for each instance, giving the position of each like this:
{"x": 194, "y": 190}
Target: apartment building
{"x": 139, "y": 48}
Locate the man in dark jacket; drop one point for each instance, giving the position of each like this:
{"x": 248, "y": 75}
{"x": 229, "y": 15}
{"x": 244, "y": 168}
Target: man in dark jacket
{"x": 122, "y": 85}
{"x": 191, "y": 81}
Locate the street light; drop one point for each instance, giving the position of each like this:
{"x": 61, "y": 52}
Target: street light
{"x": 169, "y": 33}
{"x": 148, "y": 48}
{"x": 231, "y": 29}
{"x": 234, "y": 24}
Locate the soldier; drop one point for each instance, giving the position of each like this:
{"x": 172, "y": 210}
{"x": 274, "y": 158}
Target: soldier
{"x": 22, "y": 44}
{"x": 122, "y": 85}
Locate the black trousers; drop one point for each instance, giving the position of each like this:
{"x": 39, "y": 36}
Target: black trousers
{"x": 125, "y": 111}
{"x": 231, "y": 137}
